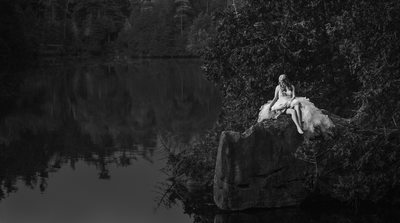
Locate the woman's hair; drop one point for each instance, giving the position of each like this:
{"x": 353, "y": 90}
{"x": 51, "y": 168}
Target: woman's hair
{"x": 284, "y": 81}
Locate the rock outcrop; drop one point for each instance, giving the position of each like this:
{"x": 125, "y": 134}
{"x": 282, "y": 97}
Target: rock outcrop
{"x": 270, "y": 165}
{"x": 258, "y": 169}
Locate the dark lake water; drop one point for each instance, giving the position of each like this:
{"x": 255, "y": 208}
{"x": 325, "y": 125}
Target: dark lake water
{"x": 88, "y": 143}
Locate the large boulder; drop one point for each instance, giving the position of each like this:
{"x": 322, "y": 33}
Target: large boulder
{"x": 258, "y": 168}
{"x": 270, "y": 165}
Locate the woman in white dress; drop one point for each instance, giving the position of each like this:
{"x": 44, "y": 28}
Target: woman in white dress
{"x": 304, "y": 114}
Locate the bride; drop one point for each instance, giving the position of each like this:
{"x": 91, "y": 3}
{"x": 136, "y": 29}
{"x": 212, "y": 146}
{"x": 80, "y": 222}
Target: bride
{"x": 304, "y": 114}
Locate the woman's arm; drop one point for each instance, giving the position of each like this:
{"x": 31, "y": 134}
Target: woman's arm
{"x": 276, "y": 96}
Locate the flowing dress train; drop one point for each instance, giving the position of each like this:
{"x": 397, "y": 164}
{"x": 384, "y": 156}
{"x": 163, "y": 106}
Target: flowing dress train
{"x": 312, "y": 117}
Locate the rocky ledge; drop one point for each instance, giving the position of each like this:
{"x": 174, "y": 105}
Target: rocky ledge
{"x": 258, "y": 168}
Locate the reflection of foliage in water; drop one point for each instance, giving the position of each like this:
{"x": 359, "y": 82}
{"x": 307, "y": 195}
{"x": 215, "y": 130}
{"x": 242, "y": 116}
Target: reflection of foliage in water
{"x": 64, "y": 114}
{"x": 191, "y": 177}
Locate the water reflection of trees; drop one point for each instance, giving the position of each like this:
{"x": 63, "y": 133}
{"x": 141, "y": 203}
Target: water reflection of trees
{"x": 88, "y": 112}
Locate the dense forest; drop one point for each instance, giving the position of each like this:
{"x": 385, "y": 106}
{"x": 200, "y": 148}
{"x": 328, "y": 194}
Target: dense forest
{"x": 343, "y": 55}
{"x": 138, "y": 28}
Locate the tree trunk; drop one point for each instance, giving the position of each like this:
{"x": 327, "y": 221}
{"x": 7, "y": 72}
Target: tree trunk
{"x": 65, "y": 20}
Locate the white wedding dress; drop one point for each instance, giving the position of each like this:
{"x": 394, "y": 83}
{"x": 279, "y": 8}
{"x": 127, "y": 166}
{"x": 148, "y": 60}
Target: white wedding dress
{"x": 312, "y": 117}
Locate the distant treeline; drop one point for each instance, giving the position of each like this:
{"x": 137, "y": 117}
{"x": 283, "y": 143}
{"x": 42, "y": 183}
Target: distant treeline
{"x": 40, "y": 27}
{"x": 169, "y": 27}
{"x": 96, "y": 27}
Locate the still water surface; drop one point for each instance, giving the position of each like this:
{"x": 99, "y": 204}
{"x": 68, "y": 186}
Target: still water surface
{"x": 87, "y": 142}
